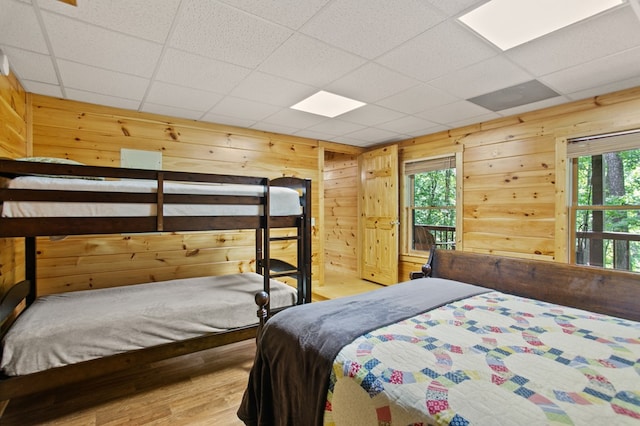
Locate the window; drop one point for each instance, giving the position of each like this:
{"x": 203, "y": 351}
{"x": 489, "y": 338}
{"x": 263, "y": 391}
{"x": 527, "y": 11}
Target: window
{"x": 605, "y": 200}
{"x": 431, "y": 203}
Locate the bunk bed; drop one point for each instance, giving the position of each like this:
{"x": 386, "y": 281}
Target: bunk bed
{"x": 473, "y": 339}
{"x": 120, "y": 327}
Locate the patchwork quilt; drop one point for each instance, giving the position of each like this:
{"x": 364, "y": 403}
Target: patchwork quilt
{"x": 490, "y": 359}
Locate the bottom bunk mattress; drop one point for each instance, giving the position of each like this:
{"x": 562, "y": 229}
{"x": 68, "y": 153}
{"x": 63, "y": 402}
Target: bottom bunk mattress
{"x": 483, "y": 358}
{"x": 68, "y": 328}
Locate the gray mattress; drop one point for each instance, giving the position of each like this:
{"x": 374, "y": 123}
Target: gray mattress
{"x": 67, "y": 328}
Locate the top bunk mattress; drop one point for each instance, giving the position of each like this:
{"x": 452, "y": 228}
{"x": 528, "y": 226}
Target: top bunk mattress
{"x": 283, "y": 201}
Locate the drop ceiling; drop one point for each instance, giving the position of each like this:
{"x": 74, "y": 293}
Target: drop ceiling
{"x": 245, "y": 62}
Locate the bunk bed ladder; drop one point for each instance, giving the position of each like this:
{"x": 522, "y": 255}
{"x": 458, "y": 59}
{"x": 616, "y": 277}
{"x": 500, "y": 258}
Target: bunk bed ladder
{"x": 281, "y": 268}
{"x": 275, "y": 268}
{"x": 302, "y": 271}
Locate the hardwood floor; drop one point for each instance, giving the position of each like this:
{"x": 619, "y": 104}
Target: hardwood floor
{"x": 339, "y": 284}
{"x": 204, "y": 388}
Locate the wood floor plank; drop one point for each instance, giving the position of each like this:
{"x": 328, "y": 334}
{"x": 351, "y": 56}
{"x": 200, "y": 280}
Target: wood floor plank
{"x": 202, "y": 388}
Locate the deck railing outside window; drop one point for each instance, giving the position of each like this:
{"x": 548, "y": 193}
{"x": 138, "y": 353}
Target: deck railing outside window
{"x": 443, "y": 237}
{"x": 592, "y": 249}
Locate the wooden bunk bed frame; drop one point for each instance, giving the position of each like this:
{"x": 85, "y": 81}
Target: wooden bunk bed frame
{"x": 30, "y": 228}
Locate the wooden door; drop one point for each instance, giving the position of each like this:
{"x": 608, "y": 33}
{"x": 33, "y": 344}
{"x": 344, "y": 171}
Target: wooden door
{"x": 379, "y": 215}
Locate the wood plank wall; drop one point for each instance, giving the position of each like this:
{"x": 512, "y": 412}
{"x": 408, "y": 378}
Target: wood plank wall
{"x": 341, "y": 212}
{"x": 513, "y": 181}
{"x": 95, "y": 135}
{"x": 514, "y": 172}
{"x": 13, "y": 144}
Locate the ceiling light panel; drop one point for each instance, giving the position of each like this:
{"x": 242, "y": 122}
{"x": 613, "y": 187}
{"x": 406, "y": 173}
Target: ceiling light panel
{"x": 509, "y": 23}
{"x": 327, "y": 104}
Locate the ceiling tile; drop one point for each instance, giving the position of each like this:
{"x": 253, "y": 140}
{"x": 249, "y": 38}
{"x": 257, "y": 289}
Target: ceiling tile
{"x": 371, "y": 27}
{"x": 221, "y": 32}
{"x": 19, "y": 27}
{"x": 272, "y": 90}
{"x": 294, "y": 118}
{"x": 460, "y": 110}
{"x": 372, "y": 134}
{"x": 350, "y": 141}
{"x": 171, "y": 111}
{"x": 618, "y": 67}
{"x": 310, "y": 61}
{"x": 456, "y": 7}
{"x": 369, "y": 115}
{"x": 42, "y": 88}
{"x": 84, "y": 77}
{"x": 606, "y": 88}
{"x": 228, "y": 120}
{"x": 370, "y": 83}
{"x": 244, "y": 109}
{"x": 290, "y": 13}
{"x": 275, "y": 128}
{"x": 441, "y": 50}
{"x": 31, "y": 66}
{"x": 534, "y": 106}
{"x": 483, "y": 77}
{"x": 186, "y": 69}
{"x": 473, "y": 120}
{"x": 606, "y": 34}
{"x": 99, "y": 99}
{"x": 181, "y": 97}
{"x": 336, "y": 127}
{"x": 430, "y": 130}
{"x": 148, "y": 19}
{"x": 408, "y": 125}
{"x": 312, "y": 134}
{"x": 88, "y": 44}
{"x": 245, "y": 62}
{"x": 416, "y": 99}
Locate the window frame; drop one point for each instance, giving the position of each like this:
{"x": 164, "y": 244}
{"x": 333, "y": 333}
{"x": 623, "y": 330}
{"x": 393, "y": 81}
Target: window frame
{"x": 592, "y": 146}
{"x": 407, "y": 207}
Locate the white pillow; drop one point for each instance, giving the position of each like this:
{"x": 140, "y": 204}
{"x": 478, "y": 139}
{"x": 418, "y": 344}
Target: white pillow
{"x": 55, "y": 160}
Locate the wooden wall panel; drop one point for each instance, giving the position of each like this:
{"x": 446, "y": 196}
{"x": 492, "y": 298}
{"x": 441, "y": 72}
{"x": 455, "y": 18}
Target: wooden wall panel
{"x": 13, "y": 143}
{"x": 512, "y": 204}
{"x": 95, "y": 135}
{"x": 341, "y": 212}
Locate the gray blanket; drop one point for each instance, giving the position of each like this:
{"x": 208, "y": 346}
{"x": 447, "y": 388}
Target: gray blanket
{"x": 289, "y": 379}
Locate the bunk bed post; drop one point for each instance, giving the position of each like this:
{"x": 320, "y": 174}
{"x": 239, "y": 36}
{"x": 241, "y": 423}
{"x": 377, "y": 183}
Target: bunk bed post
{"x": 262, "y": 300}
{"x": 266, "y": 243}
{"x": 30, "y": 267}
{"x": 306, "y": 238}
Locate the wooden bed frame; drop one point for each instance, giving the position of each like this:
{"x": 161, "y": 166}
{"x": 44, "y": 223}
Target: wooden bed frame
{"x": 304, "y": 364}
{"x": 25, "y": 291}
{"x": 605, "y": 291}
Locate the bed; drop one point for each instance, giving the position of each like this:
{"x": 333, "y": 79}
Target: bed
{"x": 476, "y": 342}
{"x": 61, "y": 338}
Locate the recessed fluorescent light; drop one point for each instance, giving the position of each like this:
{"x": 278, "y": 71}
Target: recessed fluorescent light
{"x": 327, "y": 104}
{"x": 509, "y": 23}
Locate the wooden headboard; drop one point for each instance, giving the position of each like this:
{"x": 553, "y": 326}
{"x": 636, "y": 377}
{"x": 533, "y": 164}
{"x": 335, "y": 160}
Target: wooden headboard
{"x": 605, "y": 291}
